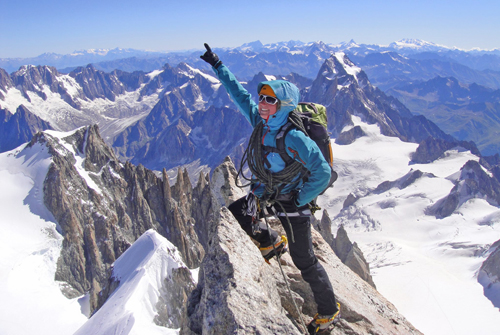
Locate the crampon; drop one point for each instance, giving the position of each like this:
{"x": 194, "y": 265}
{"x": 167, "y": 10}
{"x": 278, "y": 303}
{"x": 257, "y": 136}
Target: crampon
{"x": 323, "y": 324}
{"x": 279, "y": 248}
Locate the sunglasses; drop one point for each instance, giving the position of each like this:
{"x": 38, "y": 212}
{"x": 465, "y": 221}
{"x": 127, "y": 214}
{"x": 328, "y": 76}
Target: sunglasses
{"x": 268, "y": 99}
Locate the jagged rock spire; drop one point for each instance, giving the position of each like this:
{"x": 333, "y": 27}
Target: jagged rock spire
{"x": 103, "y": 206}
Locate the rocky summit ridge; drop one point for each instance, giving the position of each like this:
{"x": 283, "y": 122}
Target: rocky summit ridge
{"x": 238, "y": 293}
{"x": 103, "y": 206}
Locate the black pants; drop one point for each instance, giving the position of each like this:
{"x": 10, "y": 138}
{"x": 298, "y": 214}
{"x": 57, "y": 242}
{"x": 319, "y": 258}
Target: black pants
{"x": 301, "y": 250}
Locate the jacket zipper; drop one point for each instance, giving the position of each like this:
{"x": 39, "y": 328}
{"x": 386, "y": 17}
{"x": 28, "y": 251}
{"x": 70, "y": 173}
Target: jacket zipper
{"x": 296, "y": 155}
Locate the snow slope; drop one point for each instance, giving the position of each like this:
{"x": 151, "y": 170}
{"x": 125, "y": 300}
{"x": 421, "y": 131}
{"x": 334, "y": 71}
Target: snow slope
{"x": 132, "y": 306}
{"x": 30, "y": 245}
{"x": 29, "y": 249}
{"x": 426, "y": 266}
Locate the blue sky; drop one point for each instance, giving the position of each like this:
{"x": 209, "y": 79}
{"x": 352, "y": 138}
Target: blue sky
{"x": 32, "y": 27}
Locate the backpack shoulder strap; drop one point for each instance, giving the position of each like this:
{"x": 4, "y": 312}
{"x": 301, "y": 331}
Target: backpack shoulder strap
{"x": 280, "y": 144}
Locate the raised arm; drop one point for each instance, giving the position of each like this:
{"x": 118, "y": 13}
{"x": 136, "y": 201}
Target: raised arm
{"x": 240, "y": 96}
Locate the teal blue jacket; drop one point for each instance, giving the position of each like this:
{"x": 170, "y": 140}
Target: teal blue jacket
{"x": 299, "y": 146}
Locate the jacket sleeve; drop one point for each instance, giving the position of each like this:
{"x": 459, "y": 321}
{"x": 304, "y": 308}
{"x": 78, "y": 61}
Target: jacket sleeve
{"x": 241, "y": 97}
{"x": 307, "y": 152}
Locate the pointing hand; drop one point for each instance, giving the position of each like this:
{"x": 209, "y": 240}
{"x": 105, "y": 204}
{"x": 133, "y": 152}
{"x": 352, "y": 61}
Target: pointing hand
{"x": 210, "y": 57}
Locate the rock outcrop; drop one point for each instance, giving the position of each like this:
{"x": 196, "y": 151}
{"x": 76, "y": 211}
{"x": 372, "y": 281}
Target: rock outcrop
{"x": 474, "y": 182}
{"x": 349, "y": 253}
{"x": 238, "y": 293}
{"x": 97, "y": 84}
{"x": 224, "y": 183}
{"x": 402, "y": 182}
{"x": 19, "y": 128}
{"x": 348, "y": 137}
{"x": 489, "y": 275}
{"x": 431, "y": 149}
{"x": 31, "y": 78}
{"x": 5, "y": 83}
{"x": 324, "y": 227}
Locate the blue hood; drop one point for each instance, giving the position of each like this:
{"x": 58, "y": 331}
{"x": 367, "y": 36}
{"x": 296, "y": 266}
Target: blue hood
{"x": 289, "y": 96}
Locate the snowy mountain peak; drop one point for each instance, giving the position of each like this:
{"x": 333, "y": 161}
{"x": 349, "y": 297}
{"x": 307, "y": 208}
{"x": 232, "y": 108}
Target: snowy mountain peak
{"x": 252, "y": 46}
{"x": 416, "y": 44}
{"x": 100, "y": 52}
{"x": 104, "y": 52}
{"x": 347, "y": 64}
{"x": 350, "y": 44}
{"x": 142, "y": 275}
{"x": 339, "y": 67}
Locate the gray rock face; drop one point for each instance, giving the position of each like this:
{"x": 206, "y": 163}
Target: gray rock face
{"x": 474, "y": 182}
{"x": 489, "y": 275}
{"x": 402, "y": 182}
{"x": 171, "y": 305}
{"x": 102, "y": 206}
{"x": 350, "y": 200}
{"x": 350, "y": 136}
{"x": 238, "y": 293}
{"x": 324, "y": 227}
{"x": 5, "y": 83}
{"x": 32, "y": 78}
{"x": 97, "y": 84}
{"x": 19, "y": 128}
{"x": 349, "y": 253}
{"x": 224, "y": 183}
{"x": 431, "y": 149}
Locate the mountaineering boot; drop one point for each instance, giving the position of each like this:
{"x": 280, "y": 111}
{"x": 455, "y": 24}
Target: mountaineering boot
{"x": 321, "y": 323}
{"x": 279, "y": 248}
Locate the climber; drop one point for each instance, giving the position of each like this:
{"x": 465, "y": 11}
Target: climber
{"x": 288, "y": 201}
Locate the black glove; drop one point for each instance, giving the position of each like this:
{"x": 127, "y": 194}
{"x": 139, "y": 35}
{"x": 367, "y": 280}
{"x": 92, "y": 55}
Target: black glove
{"x": 210, "y": 57}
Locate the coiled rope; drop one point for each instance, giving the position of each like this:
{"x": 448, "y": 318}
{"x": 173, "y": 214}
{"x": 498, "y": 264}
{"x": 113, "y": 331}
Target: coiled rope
{"x": 253, "y": 157}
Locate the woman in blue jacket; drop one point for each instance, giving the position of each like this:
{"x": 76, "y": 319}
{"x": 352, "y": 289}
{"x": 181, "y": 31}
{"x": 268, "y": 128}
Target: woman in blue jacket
{"x": 276, "y": 100}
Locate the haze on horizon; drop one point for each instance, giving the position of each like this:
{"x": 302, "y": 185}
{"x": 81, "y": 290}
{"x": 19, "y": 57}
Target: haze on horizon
{"x": 33, "y": 27}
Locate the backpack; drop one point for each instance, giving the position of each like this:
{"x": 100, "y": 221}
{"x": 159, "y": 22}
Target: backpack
{"x": 313, "y": 118}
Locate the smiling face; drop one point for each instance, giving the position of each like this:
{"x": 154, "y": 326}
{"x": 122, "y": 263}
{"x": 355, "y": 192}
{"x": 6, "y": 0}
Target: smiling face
{"x": 266, "y": 110}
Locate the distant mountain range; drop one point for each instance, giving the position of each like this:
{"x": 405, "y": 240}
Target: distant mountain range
{"x": 465, "y": 111}
{"x": 181, "y": 116}
{"x": 141, "y": 60}
{"x": 125, "y": 90}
